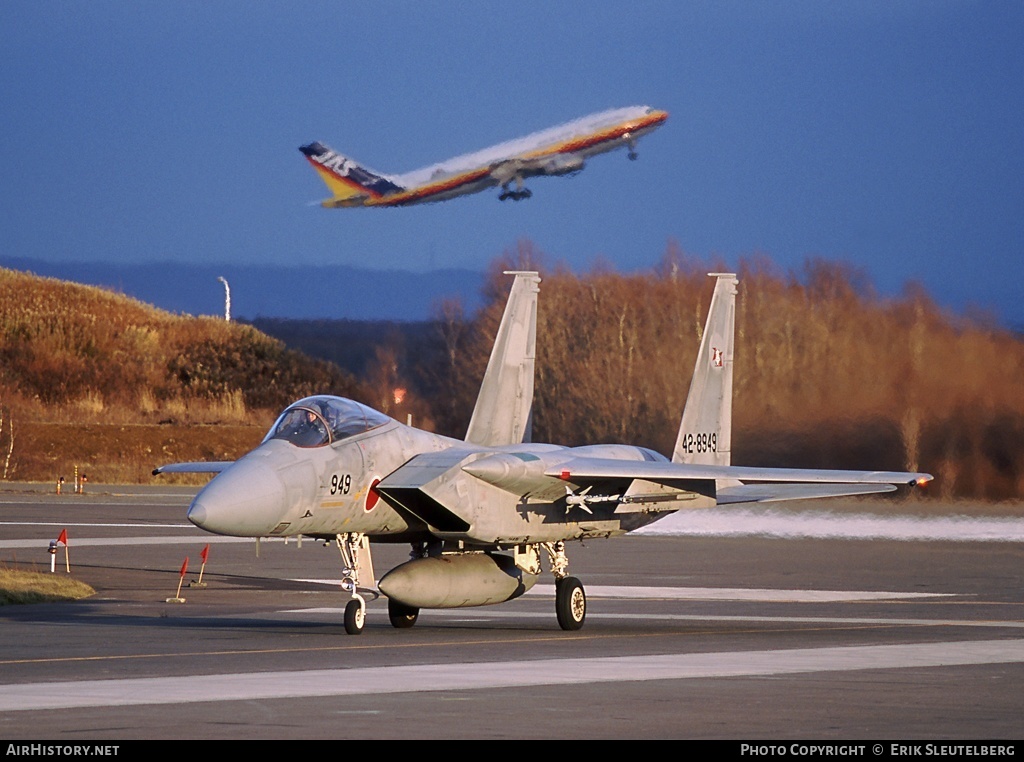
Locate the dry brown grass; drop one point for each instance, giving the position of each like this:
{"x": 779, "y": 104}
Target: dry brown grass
{"x": 17, "y": 587}
{"x": 84, "y": 354}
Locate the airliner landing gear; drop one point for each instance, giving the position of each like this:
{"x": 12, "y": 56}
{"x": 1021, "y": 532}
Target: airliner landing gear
{"x": 570, "y": 598}
{"x": 633, "y": 155}
{"x": 516, "y": 195}
{"x": 355, "y": 555}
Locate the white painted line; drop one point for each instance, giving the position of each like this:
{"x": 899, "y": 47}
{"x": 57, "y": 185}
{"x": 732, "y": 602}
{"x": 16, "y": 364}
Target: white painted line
{"x": 92, "y": 502}
{"x": 79, "y": 542}
{"x": 506, "y": 614}
{"x": 710, "y": 593}
{"x": 121, "y": 525}
{"x": 250, "y": 686}
{"x": 197, "y": 535}
{"x": 735, "y": 594}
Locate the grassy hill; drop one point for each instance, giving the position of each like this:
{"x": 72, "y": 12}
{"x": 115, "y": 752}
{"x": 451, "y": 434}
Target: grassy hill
{"x": 96, "y": 379}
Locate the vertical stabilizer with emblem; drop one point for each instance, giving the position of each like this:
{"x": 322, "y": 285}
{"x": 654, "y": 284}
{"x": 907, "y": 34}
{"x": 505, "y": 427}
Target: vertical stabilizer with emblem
{"x": 705, "y": 433}
{"x": 350, "y": 184}
{"x": 502, "y": 412}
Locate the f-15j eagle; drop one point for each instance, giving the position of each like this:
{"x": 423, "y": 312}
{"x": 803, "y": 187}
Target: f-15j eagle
{"x": 560, "y": 150}
{"x": 484, "y": 514}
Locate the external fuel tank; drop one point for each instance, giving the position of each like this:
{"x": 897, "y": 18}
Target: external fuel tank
{"x": 454, "y": 580}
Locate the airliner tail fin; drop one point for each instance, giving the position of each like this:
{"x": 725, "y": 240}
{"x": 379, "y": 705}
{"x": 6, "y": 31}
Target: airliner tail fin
{"x": 350, "y": 184}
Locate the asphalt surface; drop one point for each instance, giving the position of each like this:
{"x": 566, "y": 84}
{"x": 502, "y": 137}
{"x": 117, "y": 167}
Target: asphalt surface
{"x": 721, "y": 637}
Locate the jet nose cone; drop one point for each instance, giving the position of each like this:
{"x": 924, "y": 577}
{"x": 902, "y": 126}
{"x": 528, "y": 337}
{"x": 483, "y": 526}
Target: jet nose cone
{"x": 197, "y": 514}
{"x": 246, "y": 500}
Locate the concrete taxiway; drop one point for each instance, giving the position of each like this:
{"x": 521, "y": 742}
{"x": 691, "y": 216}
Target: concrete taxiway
{"x": 687, "y": 636}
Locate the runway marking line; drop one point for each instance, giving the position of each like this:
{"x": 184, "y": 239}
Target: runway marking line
{"x": 466, "y": 676}
{"x": 559, "y": 637}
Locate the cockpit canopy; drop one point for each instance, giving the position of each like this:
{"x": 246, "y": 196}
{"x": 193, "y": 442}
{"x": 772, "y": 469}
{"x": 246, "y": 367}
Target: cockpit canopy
{"x": 322, "y": 420}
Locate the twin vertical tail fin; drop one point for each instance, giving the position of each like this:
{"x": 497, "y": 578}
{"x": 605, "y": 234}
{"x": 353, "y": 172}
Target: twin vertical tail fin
{"x": 503, "y": 407}
{"x": 349, "y": 183}
{"x": 705, "y": 433}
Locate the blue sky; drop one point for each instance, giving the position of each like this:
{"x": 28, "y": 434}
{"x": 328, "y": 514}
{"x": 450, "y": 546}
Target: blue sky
{"x": 889, "y": 135}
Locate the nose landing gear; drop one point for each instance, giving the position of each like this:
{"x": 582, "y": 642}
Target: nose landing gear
{"x": 355, "y": 555}
{"x": 355, "y": 615}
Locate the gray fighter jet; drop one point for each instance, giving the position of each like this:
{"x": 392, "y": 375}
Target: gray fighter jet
{"x": 483, "y": 514}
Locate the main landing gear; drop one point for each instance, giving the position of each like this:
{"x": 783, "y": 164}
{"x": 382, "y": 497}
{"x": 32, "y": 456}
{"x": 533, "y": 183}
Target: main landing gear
{"x": 403, "y": 617}
{"x": 516, "y": 195}
{"x": 570, "y": 598}
{"x": 570, "y": 603}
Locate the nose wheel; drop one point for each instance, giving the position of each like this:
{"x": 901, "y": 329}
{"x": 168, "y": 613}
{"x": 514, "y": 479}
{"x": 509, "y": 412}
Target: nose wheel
{"x": 355, "y": 615}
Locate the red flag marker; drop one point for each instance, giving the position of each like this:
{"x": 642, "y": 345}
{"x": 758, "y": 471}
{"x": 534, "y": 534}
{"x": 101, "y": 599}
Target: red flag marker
{"x": 181, "y": 577}
{"x": 63, "y": 540}
{"x": 203, "y": 554}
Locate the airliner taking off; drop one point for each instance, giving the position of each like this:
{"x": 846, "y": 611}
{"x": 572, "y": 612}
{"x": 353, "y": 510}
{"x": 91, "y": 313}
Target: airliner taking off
{"x": 560, "y": 150}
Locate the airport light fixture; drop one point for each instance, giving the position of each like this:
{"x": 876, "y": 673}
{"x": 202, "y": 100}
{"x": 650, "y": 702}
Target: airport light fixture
{"x": 227, "y": 298}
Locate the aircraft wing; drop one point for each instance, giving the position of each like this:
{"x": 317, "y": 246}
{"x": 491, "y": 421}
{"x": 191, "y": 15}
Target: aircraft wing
{"x": 209, "y": 467}
{"x": 610, "y": 468}
{"x": 770, "y": 484}
{"x": 506, "y": 170}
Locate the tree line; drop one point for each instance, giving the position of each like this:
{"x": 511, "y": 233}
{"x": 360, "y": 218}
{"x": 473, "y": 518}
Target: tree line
{"x": 827, "y": 373}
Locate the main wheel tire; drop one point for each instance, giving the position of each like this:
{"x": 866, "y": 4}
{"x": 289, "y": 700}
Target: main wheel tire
{"x": 570, "y": 603}
{"x": 355, "y": 617}
{"x": 403, "y": 617}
